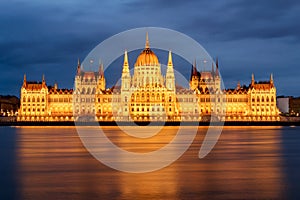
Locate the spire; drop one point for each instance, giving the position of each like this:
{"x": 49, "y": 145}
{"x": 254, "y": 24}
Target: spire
{"x": 212, "y": 69}
{"x": 252, "y": 79}
{"x": 125, "y": 64}
{"x": 238, "y": 85}
{"x": 43, "y": 81}
{"x": 101, "y": 70}
{"x": 147, "y": 45}
{"x": 78, "y": 62}
{"x": 194, "y": 68}
{"x": 55, "y": 85}
{"x": 24, "y": 80}
{"x": 78, "y": 67}
{"x": 170, "y": 60}
{"x": 217, "y": 67}
{"x": 271, "y": 78}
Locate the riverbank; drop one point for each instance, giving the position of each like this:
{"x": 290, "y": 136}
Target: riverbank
{"x": 113, "y": 123}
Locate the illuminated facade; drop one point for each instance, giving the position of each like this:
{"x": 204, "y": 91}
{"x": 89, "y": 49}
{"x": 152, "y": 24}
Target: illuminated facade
{"x": 147, "y": 95}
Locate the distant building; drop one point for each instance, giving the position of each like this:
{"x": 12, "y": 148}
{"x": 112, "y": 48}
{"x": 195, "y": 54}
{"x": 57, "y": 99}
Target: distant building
{"x": 294, "y": 106}
{"x": 9, "y": 105}
{"x": 283, "y": 104}
{"x": 148, "y": 95}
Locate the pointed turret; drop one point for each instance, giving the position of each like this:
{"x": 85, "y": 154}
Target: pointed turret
{"x": 170, "y": 60}
{"x": 194, "y": 71}
{"x": 194, "y": 80}
{"x": 55, "y": 85}
{"x": 101, "y": 70}
{"x": 43, "y": 80}
{"x": 125, "y": 63}
{"x": 212, "y": 69}
{"x": 271, "y": 79}
{"x": 24, "y": 81}
{"x": 170, "y": 77}
{"x": 101, "y": 79}
{"x": 238, "y": 85}
{"x": 147, "y": 44}
{"x": 217, "y": 67}
{"x": 78, "y": 67}
{"x": 252, "y": 79}
{"x": 126, "y": 79}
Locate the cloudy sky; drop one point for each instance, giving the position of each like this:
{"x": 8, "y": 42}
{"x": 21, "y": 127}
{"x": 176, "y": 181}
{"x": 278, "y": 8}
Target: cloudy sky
{"x": 46, "y": 37}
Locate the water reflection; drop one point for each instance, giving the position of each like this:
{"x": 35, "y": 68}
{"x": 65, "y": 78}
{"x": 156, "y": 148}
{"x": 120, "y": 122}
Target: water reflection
{"x": 245, "y": 163}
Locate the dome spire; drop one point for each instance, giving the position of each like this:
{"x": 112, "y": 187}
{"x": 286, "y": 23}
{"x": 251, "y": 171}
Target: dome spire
{"x": 147, "y": 45}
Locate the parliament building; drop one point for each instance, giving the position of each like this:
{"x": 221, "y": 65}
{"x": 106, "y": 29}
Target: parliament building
{"x": 148, "y": 95}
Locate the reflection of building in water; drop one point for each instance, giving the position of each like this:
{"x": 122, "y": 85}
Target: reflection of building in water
{"x": 149, "y": 95}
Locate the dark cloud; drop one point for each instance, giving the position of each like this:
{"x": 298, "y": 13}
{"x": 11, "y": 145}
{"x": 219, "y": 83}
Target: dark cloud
{"x": 47, "y": 37}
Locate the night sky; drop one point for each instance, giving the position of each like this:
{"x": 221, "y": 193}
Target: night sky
{"x": 47, "y": 37}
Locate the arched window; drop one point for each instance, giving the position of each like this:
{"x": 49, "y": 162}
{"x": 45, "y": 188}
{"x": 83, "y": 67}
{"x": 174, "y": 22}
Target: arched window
{"x": 272, "y": 99}
{"x": 38, "y": 99}
{"x": 267, "y": 99}
{"x": 33, "y": 99}
{"x": 257, "y": 99}
{"x": 262, "y": 99}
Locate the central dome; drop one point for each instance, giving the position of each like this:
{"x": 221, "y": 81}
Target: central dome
{"x": 147, "y": 57}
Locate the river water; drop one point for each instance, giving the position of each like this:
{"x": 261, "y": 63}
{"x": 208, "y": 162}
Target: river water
{"x": 246, "y": 163}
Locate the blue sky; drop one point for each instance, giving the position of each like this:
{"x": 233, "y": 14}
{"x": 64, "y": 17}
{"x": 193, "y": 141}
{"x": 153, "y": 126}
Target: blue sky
{"x": 46, "y": 37}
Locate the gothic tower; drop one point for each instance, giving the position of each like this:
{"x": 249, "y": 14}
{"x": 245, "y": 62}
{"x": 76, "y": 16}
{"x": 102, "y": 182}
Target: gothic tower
{"x": 170, "y": 78}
